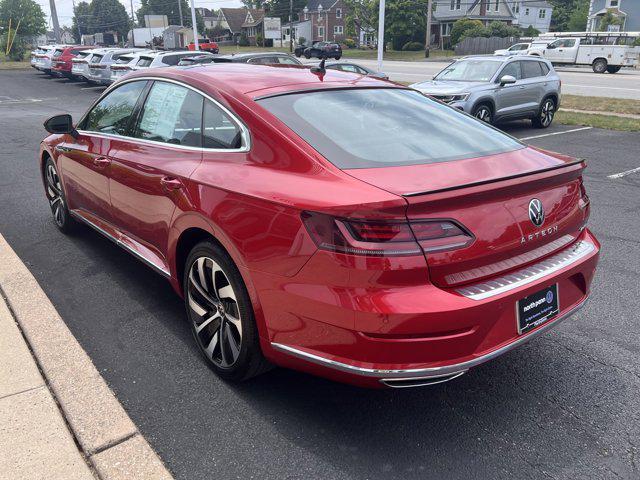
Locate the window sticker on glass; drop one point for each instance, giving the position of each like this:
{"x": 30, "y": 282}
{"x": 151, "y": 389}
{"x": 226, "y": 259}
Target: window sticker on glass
{"x": 162, "y": 109}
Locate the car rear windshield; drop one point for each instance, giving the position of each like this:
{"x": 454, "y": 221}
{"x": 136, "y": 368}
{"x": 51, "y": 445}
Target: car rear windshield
{"x": 144, "y": 61}
{"x": 470, "y": 70}
{"x": 96, "y": 58}
{"x": 123, "y": 60}
{"x": 365, "y": 128}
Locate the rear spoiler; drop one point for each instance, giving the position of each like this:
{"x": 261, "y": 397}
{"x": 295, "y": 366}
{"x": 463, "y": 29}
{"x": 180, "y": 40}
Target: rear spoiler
{"x": 495, "y": 180}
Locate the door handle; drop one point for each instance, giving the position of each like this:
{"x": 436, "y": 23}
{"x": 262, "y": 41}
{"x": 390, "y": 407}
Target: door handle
{"x": 521, "y": 87}
{"x": 101, "y": 162}
{"x": 171, "y": 183}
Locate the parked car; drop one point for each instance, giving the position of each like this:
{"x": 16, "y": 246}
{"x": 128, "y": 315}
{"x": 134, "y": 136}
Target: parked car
{"x": 340, "y": 225}
{"x": 128, "y": 63}
{"x": 200, "y": 59}
{"x": 259, "y": 58}
{"x": 80, "y": 64}
{"x": 161, "y": 59}
{"x": 498, "y": 88}
{"x": 603, "y": 51}
{"x": 42, "y": 58}
{"x": 61, "y": 59}
{"x": 99, "y": 66}
{"x": 355, "y": 68}
{"x": 517, "y": 49}
{"x": 323, "y": 50}
{"x": 205, "y": 45}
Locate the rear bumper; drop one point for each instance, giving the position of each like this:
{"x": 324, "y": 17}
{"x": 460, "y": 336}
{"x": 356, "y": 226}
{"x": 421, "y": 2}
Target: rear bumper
{"x": 413, "y": 336}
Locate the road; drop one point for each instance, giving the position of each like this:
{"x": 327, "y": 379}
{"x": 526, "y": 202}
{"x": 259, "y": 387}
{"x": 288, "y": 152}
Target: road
{"x": 564, "y": 406}
{"x": 576, "y": 81}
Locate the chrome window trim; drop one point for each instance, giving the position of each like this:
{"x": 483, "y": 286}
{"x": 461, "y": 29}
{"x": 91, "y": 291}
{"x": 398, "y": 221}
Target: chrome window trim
{"x": 430, "y": 372}
{"x": 527, "y": 275}
{"x": 245, "y": 133}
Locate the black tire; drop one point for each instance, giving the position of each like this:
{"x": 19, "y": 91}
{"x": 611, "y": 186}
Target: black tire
{"x": 298, "y": 54}
{"x": 307, "y": 56}
{"x": 483, "y": 112}
{"x": 546, "y": 112}
{"x": 599, "y": 65}
{"x": 337, "y": 57}
{"x": 613, "y": 68}
{"x": 57, "y": 201}
{"x": 223, "y": 327}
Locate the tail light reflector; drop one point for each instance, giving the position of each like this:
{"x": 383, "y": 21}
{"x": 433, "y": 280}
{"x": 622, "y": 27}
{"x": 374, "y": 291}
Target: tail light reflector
{"x": 384, "y": 238}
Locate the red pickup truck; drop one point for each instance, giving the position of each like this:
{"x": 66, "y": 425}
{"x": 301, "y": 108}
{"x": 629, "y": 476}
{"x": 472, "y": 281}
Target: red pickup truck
{"x": 205, "y": 45}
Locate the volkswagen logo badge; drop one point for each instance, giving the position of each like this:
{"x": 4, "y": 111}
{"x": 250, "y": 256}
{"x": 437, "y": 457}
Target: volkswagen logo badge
{"x": 536, "y": 212}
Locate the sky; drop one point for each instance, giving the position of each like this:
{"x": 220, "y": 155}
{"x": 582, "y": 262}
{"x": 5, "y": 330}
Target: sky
{"x": 65, "y": 8}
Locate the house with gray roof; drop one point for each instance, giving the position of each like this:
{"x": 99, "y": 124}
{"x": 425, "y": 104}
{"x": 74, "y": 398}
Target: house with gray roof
{"x": 532, "y": 14}
{"x": 627, "y": 11}
{"x": 448, "y": 11}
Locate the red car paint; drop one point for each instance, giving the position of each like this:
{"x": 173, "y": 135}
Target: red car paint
{"x": 348, "y": 317}
{"x": 61, "y": 59}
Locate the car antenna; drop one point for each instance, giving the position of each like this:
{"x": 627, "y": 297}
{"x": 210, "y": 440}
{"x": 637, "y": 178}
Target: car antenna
{"x": 320, "y": 68}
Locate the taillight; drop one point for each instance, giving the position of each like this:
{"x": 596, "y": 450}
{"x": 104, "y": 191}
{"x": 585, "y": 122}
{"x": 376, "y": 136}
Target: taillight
{"x": 384, "y": 238}
{"x": 584, "y": 198}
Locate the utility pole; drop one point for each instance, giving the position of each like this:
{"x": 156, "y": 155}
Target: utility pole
{"x": 380, "y": 34}
{"x": 133, "y": 26}
{"x": 180, "y": 12}
{"x": 290, "y": 26}
{"x": 427, "y": 42}
{"x": 195, "y": 27}
{"x": 54, "y": 19}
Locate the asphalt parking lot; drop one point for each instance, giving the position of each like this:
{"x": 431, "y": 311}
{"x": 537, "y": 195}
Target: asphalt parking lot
{"x": 565, "y": 406}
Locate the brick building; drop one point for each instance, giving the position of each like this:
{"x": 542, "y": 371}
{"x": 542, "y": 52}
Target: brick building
{"x": 328, "y": 22}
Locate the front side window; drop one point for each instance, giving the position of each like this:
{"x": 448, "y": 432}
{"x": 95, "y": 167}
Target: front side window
{"x": 366, "y": 128}
{"x": 171, "y": 114}
{"x": 113, "y": 112}
{"x": 219, "y": 130}
{"x": 470, "y": 70}
{"x": 512, "y": 69}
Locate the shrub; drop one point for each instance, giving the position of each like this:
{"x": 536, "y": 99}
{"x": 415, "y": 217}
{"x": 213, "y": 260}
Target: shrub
{"x": 461, "y": 26}
{"x": 412, "y": 46}
{"x": 243, "y": 41}
{"x": 350, "y": 43}
{"x": 18, "y": 48}
{"x": 259, "y": 40}
{"x": 302, "y": 41}
{"x": 530, "y": 31}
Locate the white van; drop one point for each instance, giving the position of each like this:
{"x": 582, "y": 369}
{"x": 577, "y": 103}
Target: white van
{"x": 604, "y": 51}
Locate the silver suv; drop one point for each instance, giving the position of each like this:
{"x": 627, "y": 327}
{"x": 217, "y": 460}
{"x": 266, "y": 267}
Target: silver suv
{"x": 495, "y": 88}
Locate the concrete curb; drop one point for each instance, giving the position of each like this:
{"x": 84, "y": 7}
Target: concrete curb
{"x": 106, "y": 435}
{"x": 598, "y": 112}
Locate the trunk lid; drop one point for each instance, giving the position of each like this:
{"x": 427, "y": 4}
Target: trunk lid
{"x": 491, "y": 196}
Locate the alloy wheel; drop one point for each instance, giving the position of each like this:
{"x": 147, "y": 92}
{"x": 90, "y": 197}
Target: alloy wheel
{"x": 215, "y": 312}
{"x": 54, "y": 194}
{"x": 484, "y": 114}
{"x": 547, "y": 113}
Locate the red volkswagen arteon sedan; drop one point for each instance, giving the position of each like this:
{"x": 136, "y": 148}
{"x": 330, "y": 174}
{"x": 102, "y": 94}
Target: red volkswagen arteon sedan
{"x": 327, "y": 222}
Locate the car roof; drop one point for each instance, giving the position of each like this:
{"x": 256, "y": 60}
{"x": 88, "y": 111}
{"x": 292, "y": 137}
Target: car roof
{"x": 253, "y": 81}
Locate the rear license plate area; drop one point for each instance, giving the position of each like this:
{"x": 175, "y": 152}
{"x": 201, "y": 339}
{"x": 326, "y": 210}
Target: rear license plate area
{"x": 537, "y": 308}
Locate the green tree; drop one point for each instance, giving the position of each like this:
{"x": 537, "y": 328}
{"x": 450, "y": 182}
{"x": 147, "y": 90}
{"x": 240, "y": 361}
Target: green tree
{"x": 280, "y": 8}
{"x": 461, "y": 26}
{"x": 607, "y": 20}
{"x": 578, "y": 18}
{"x": 27, "y": 12}
{"x": 405, "y": 20}
{"x": 171, "y": 10}
{"x": 361, "y": 15}
{"x": 563, "y": 11}
{"x": 81, "y": 22}
{"x": 530, "y": 31}
{"x": 501, "y": 29}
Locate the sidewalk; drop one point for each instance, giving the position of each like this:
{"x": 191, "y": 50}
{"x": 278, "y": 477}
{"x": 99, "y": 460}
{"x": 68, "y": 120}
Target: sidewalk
{"x": 58, "y": 417}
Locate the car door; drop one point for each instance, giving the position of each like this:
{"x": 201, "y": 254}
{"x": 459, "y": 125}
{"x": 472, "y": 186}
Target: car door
{"x": 533, "y": 83}
{"x": 554, "y": 51}
{"x": 149, "y": 170}
{"x": 508, "y": 96}
{"x": 84, "y": 162}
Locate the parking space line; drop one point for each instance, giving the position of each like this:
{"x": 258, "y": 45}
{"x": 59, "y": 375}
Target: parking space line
{"x": 91, "y": 88}
{"x": 557, "y": 133}
{"x": 624, "y": 174}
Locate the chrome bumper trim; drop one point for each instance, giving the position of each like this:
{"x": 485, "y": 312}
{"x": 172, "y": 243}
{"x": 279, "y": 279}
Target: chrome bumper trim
{"x": 424, "y": 373}
{"x": 524, "y": 276}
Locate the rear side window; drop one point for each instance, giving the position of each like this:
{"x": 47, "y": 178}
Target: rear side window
{"x": 288, "y": 60}
{"x": 531, "y": 69}
{"x": 365, "y": 128}
{"x": 171, "y": 114}
{"x": 57, "y": 53}
{"x": 219, "y": 130}
{"x": 544, "y": 67}
{"x": 144, "y": 61}
{"x": 112, "y": 113}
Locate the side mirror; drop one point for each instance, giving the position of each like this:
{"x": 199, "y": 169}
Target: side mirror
{"x": 507, "y": 80}
{"x": 60, "y": 124}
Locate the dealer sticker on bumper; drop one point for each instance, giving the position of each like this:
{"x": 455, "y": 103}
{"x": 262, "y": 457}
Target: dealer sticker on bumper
{"x": 537, "y": 308}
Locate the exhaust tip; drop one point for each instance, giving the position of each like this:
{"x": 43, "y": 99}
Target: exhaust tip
{"x": 421, "y": 381}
